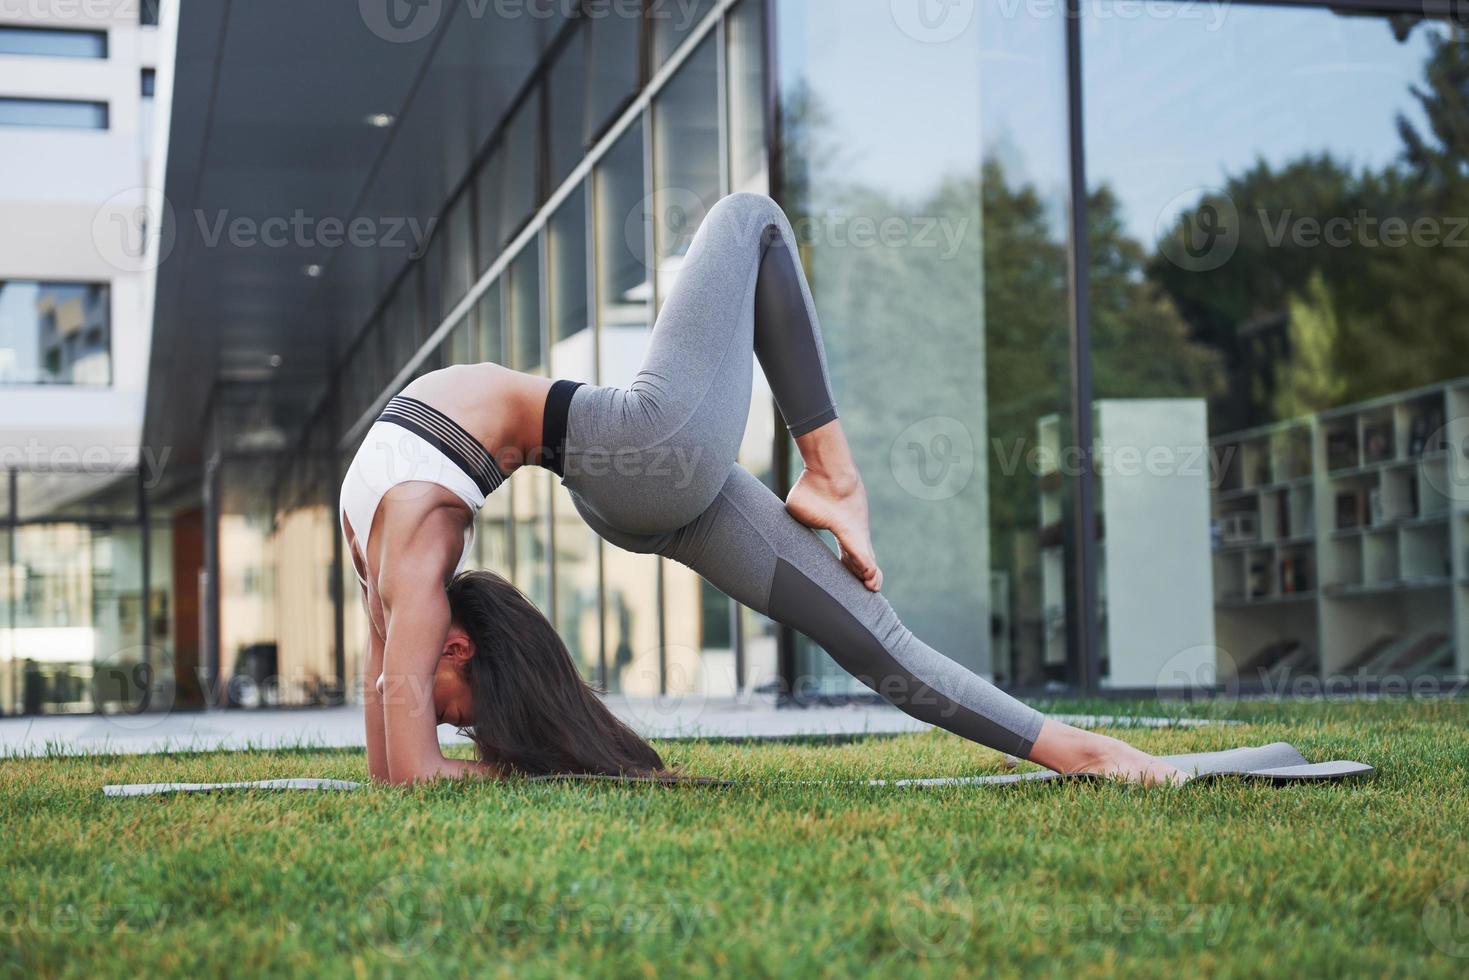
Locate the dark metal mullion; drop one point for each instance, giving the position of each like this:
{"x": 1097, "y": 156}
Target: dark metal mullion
{"x": 14, "y": 568}
{"x": 594, "y": 322}
{"x": 780, "y": 459}
{"x": 542, "y": 245}
{"x": 145, "y": 562}
{"x": 726, "y": 180}
{"x": 1087, "y": 652}
{"x": 650, "y": 255}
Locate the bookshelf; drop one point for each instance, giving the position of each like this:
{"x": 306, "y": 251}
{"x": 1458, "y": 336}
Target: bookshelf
{"x": 1341, "y": 541}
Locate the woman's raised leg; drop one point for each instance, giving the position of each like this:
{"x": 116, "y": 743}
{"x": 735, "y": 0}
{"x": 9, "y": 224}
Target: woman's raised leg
{"x": 651, "y": 457}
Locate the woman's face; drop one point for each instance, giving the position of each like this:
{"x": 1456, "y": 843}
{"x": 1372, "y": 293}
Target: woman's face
{"x": 452, "y": 703}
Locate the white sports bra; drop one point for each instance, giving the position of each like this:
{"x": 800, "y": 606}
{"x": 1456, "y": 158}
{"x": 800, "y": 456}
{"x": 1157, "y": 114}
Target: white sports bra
{"x": 415, "y": 443}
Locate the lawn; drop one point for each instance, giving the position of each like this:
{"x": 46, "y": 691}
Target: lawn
{"x": 768, "y": 878}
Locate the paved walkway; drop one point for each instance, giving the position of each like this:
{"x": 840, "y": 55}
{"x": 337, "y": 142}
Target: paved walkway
{"x": 204, "y": 731}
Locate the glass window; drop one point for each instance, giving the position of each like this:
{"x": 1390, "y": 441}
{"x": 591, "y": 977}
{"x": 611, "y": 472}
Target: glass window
{"x": 401, "y": 323}
{"x": 624, "y": 316}
{"x": 566, "y": 92}
{"x": 461, "y": 342}
{"x": 571, "y": 335}
{"x": 448, "y": 262}
{"x": 532, "y": 497}
{"x": 494, "y": 541}
{"x": 55, "y": 333}
{"x": 624, "y": 287}
{"x": 1281, "y": 246}
{"x": 434, "y": 266}
{"x": 52, "y": 42}
{"x": 687, "y": 176}
{"x": 91, "y": 485}
{"x": 673, "y": 22}
{"x": 150, "y": 83}
{"x": 523, "y": 310}
{"x": 78, "y": 616}
{"x": 573, "y": 356}
{"x": 909, "y": 248}
{"x": 489, "y": 197}
{"x": 148, "y": 12}
{"x": 748, "y": 156}
{"x": 686, "y": 168}
{"x": 615, "y": 34}
{"x": 53, "y": 113}
{"x": 522, "y": 190}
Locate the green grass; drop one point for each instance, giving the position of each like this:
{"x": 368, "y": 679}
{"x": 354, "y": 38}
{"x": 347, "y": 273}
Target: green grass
{"x": 764, "y": 879}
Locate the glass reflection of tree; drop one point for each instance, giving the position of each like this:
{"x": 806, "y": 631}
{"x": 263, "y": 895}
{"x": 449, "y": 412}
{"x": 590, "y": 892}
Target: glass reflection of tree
{"x": 1303, "y": 327}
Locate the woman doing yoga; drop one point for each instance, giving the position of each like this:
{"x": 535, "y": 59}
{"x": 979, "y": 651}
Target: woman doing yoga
{"x": 652, "y": 469}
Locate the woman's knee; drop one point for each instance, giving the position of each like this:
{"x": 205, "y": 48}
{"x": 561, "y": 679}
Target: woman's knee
{"x": 752, "y": 215}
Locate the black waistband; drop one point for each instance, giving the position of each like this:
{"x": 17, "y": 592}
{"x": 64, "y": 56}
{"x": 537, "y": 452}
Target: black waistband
{"x": 553, "y": 428}
{"x": 448, "y": 437}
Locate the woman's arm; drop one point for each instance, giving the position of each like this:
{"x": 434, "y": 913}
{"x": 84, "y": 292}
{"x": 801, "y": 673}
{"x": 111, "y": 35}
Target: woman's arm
{"x": 372, "y": 703}
{"x": 417, "y": 617}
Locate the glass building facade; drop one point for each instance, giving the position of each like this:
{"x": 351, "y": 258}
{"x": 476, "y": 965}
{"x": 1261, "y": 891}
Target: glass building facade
{"x": 1145, "y": 321}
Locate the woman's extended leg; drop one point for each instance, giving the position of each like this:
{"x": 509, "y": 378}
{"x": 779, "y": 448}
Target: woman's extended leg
{"x": 748, "y": 546}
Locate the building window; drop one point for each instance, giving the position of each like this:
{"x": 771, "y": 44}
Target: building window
{"x": 624, "y": 294}
{"x": 55, "y": 333}
{"x": 566, "y": 94}
{"x": 673, "y": 23}
{"x": 522, "y": 159}
{"x": 53, "y": 43}
{"x": 613, "y": 68}
{"x": 686, "y": 163}
{"x": 52, "y": 113}
{"x": 148, "y": 12}
{"x": 150, "y": 83}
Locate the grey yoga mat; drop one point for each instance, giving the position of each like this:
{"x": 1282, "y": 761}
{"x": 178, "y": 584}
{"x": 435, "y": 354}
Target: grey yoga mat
{"x": 1279, "y": 762}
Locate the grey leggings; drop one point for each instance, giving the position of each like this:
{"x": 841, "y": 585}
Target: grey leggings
{"x": 652, "y": 469}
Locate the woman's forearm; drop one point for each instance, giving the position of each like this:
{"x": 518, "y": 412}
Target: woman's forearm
{"x": 416, "y": 626}
{"x": 372, "y": 711}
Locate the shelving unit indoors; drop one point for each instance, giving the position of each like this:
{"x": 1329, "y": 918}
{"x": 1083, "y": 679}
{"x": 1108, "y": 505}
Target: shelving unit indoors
{"x": 1341, "y": 542}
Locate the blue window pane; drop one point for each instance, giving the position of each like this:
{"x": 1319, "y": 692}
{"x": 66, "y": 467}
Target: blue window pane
{"x": 55, "y": 333}
{"x": 53, "y": 114}
{"x": 53, "y": 43}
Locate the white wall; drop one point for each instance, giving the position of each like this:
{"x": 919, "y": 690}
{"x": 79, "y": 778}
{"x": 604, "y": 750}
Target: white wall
{"x": 62, "y": 193}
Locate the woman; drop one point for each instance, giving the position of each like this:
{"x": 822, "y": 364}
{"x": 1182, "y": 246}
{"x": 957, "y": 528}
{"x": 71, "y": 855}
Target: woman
{"x": 652, "y": 469}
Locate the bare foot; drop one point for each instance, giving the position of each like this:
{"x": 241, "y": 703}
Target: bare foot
{"x": 1072, "y": 750}
{"x": 838, "y": 505}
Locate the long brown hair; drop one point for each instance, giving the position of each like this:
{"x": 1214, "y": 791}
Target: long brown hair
{"x": 533, "y": 713}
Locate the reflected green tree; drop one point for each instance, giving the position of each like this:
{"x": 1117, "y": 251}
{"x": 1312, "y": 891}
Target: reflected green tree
{"x": 1347, "y": 283}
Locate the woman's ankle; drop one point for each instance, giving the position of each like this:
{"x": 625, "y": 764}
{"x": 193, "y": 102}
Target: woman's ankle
{"x": 1067, "y": 749}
